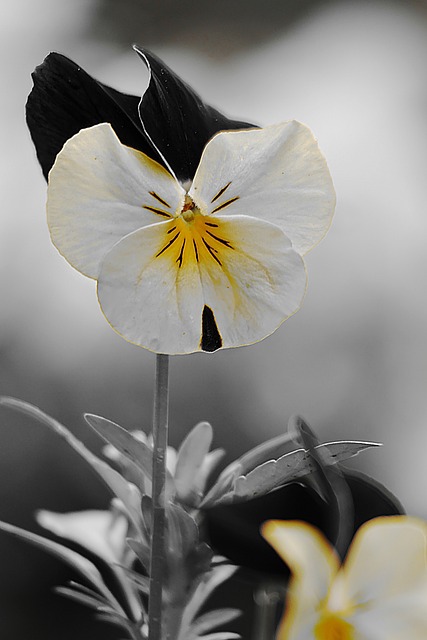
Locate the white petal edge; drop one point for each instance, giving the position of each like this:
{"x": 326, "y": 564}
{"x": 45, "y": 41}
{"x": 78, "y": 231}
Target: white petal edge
{"x": 277, "y": 173}
{"x": 313, "y": 563}
{"x": 97, "y": 192}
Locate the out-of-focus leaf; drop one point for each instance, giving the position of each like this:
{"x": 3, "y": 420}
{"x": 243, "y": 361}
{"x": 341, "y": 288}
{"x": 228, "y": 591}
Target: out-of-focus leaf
{"x": 141, "y": 582}
{"x": 127, "y": 493}
{"x": 141, "y": 551}
{"x": 79, "y": 563}
{"x": 221, "y": 635}
{"x": 213, "y": 619}
{"x": 83, "y": 598}
{"x": 209, "y": 583}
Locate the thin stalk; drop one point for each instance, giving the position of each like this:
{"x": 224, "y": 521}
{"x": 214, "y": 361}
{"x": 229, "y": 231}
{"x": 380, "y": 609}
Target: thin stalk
{"x": 268, "y": 598}
{"x": 160, "y": 439}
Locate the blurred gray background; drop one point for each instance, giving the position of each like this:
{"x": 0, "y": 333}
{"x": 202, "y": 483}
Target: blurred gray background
{"x": 353, "y": 361}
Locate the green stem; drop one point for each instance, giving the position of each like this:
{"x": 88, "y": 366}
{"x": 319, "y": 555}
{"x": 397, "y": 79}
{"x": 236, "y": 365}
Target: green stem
{"x": 160, "y": 439}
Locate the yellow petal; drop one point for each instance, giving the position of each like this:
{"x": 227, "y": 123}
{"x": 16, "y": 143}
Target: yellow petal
{"x": 313, "y": 563}
{"x": 99, "y": 191}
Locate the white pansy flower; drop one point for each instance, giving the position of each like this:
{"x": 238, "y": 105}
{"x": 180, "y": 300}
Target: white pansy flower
{"x": 209, "y": 264}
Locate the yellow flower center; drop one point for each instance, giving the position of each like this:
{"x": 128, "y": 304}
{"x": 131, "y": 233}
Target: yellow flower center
{"x": 332, "y": 627}
{"x": 192, "y": 236}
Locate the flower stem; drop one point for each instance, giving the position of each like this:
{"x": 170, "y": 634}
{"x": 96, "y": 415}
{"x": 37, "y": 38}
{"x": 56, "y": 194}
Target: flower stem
{"x": 267, "y": 600}
{"x": 160, "y": 438}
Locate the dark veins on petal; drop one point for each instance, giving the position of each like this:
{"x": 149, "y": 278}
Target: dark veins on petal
{"x": 171, "y": 117}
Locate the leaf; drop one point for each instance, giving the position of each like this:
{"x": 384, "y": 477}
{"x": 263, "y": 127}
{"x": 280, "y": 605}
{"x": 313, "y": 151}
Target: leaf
{"x": 140, "y": 581}
{"x": 133, "y": 449}
{"x": 290, "y": 467}
{"x": 191, "y": 455}
{"x": 79, "y": 563}
{"x": 273, "y": 448}
{"x": 141, "y": 551}
{"x": 126, "y": 492}
{"x": 330, "y": 482}
{"x": 211, "y": 581}
{"x": 82, "y": 598}
{"x": 221, "y": 635}
{"x": 214, "y": 619}
{"x": 182, "y": 531}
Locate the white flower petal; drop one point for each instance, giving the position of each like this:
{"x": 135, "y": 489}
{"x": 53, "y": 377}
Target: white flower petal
{"x": 399, "y": 618}
{"x": 386, "y": 560}
{"x": 156, "y": 284}
{"x": 260, "y": 282}
{"x": 276, "y": 173}
{"x": 146, "y": 297}
{"x": 100, "y": 191}
{"x": 313, "y": 563}
{"x": 101, "y": 532}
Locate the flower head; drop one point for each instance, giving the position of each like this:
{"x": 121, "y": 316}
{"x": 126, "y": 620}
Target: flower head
{"x": 379, "y": 592}
{"x": 195, "y": 245}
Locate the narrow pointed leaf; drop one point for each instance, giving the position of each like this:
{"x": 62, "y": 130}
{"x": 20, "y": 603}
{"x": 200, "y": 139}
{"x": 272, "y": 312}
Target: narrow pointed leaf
{"x": 221, "y": 635}
{"x": 213, "y": 619}
{"x": 122, "y": 489}
{"x": 215, "y": 577}
{"x": 133, "y": 449}
{"x": 77, "y": 562}
{"x": 290, "y": 467}
{"x": 140, "y": 581}
{"x": 141, "y": 551}
{"x": 82, "y": 598}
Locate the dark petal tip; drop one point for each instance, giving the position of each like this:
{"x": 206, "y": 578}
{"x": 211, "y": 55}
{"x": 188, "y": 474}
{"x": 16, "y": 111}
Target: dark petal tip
{"x": 211, "y": 338}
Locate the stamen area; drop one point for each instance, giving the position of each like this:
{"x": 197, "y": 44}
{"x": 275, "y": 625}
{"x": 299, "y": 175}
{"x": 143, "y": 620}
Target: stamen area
{"x": 195, "y": 238}
{"x": 332, "y": 627}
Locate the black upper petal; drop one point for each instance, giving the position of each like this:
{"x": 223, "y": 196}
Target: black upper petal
{"x": 176, "y": 118}
{"x": 170, "y": 117}
{"x": 233, "y": 530}
{"x": 65, "y": 99}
